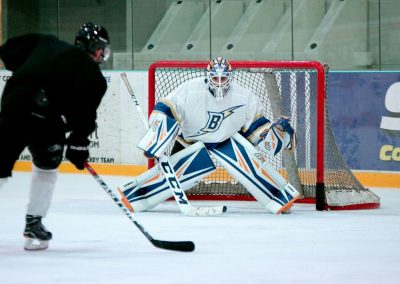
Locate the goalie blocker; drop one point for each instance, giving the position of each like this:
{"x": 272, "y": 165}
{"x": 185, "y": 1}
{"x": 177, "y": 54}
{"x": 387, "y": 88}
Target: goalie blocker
{"x": 161, "y": 133}
{"x": 240, "y": 159}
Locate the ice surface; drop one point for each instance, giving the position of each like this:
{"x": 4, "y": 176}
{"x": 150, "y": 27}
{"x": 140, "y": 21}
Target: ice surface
{"x": 94, "y": 242}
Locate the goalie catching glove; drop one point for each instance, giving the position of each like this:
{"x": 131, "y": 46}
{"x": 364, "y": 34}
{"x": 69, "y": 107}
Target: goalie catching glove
{"x": 283, "y": 125}
{"x": 77, "y": 151}
{"x": 276, "y": 137}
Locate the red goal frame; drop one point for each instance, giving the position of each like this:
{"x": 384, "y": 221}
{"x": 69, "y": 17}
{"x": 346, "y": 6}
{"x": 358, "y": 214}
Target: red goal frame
{"x": 312, "y": 65}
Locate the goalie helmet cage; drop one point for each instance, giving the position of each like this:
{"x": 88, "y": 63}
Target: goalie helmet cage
{"x": 296, "y": 89}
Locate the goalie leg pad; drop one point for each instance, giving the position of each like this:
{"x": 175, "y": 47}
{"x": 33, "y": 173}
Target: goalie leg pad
{"x": 161, "y": 133}
{"x": 151, "y": 188}
{"x": 242, "y": 161}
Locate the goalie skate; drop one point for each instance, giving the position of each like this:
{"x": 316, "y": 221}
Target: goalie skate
{"x": 36, "y": 235}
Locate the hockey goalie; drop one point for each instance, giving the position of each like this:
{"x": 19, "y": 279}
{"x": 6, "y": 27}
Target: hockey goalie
{"x": 213, "y": 117}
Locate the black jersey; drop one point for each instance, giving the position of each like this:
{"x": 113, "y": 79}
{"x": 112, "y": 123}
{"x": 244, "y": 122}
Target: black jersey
{"x": 72, "y": 81}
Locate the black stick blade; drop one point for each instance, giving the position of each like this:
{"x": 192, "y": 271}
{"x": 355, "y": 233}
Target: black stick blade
{"x": 177, "y": 246}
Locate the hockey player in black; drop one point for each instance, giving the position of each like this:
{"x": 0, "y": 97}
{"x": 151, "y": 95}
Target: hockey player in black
{"x": 49, "y": 103}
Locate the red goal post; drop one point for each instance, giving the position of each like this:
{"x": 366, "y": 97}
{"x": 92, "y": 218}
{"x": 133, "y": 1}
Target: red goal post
{"x": 292, "y": 88}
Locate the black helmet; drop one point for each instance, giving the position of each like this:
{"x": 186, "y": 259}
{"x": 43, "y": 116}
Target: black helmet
{"x": 91, "y": 37}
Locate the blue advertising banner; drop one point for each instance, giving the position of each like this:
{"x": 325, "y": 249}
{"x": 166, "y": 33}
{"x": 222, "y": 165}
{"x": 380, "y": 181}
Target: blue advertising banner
{"x": 364, "y": 109}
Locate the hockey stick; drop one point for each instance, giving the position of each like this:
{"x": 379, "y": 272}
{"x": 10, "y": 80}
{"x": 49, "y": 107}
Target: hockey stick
{"x": 169, "y": 245}
{"x": 132, "y": 94}
{"x": 179, "y": 194}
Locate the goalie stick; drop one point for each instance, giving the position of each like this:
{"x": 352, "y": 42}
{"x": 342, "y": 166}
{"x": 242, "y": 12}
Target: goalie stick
{"x": 186, "y": 246}
{"x": 179, "y": 194}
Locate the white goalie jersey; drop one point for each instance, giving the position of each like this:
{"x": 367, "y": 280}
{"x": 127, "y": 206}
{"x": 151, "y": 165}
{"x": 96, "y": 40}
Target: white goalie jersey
{"x": 202, "y": 118}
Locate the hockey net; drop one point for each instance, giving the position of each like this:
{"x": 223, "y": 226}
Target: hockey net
{"x": 296, "y": 89}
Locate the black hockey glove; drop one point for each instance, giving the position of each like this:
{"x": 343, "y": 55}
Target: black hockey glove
{"x": 77, "y": 151}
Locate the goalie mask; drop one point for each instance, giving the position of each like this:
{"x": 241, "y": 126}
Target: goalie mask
{"x": 91, "y": 37}
{"x": 219, "y": 76}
